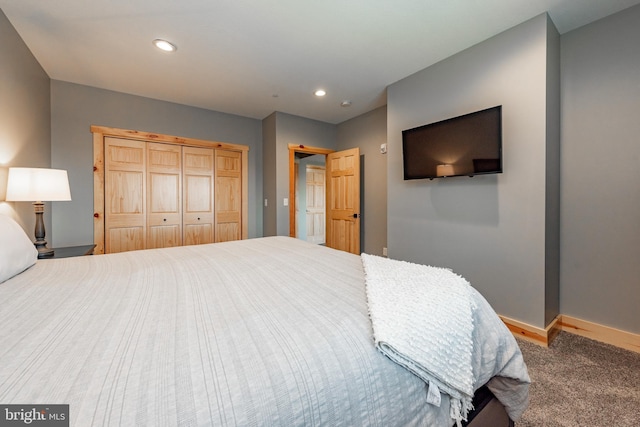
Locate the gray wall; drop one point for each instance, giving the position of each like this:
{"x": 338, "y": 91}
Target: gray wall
{"x": 552, "y": 187}
{"x": 25, "y": 130}
{"x": 285, "y": 129}
{"x": 269, "y": 175}
{"x": 74, "y": 108}
{"x": 491, "y": 229}
{"x": 600, "y": 185}
{"x": 368, "y": 132}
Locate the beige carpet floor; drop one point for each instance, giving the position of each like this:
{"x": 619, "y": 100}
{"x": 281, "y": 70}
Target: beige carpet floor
{"x": 581, "y": 382}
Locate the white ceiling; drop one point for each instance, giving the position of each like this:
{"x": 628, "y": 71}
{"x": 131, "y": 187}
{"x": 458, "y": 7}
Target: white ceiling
{"x": 253, "y": 57}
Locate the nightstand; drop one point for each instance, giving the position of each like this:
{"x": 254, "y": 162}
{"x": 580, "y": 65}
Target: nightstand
{"x": 72, "y": 251}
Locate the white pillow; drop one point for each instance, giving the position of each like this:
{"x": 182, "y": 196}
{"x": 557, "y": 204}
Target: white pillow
{"x": 17, "y": 252}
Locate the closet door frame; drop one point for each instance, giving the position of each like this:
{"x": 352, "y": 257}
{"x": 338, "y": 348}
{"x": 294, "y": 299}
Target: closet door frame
{"x": 99, "y": 134}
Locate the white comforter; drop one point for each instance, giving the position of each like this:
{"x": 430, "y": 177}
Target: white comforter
{"x": 265, "y": 332}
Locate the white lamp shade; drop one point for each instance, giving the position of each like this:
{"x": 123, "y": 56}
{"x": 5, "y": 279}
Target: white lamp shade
{"x": 37, "y": 185}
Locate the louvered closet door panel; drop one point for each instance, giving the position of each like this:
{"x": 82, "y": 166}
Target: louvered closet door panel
{"x": 197, "y": 205}
{"x": 228, "y": 195}
{"x": 124, "y": 191}
{"x": 164, "y": 195}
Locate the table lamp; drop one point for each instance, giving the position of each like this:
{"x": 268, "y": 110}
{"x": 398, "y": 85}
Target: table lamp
{"x": 444, "y": 170}
{"x": 38, "y": 185}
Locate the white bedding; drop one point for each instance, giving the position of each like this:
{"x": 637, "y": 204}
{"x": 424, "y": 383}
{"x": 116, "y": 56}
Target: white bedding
{"x": 262, "y": 332}
{"x": 432, "y": 322}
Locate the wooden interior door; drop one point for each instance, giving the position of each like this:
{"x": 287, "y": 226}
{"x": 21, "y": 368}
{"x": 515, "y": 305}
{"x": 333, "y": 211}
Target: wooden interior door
{"x": 343, "y": 200}
{"x": 164, "y": 195}
{"x": 124, "y": 195}
{"x": 315, "y": 206}
{"x": 228, "y": 196}
{"x": 197, "y": 205}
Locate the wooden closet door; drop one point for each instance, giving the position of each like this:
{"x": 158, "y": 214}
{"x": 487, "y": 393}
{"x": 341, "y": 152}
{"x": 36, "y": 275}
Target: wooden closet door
{"x": 228, "y": 195}
{"x": 164, "y": 195}
{"x": 197, "y": 204}
{"x": 124, "y": 195}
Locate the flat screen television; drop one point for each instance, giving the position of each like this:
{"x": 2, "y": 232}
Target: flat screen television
{"x": 467, "y": 145}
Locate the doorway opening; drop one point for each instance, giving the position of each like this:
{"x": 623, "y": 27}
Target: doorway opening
{"x": 297, "y": 208}
{"x": 342, "y": 195}
{"x": 310, "y": 199}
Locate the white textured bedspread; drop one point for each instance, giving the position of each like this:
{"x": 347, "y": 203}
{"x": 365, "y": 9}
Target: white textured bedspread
{"x": 262, "y": 332}
{"x": 432, "y": 322}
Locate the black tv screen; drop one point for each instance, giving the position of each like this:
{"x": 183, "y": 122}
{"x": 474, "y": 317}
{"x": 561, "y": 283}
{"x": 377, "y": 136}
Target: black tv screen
{"x": 467, "y": 145}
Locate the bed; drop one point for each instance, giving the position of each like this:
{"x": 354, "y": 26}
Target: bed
{"x": 262, "y": 332}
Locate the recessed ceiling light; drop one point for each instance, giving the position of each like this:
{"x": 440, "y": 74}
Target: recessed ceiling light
{"x": 164, "y": 45}
{"x": 345, "y": 103}
{"x": 320, "y": 92}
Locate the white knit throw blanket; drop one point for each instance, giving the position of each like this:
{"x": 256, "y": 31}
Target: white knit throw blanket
{"x": 422, "y": 319}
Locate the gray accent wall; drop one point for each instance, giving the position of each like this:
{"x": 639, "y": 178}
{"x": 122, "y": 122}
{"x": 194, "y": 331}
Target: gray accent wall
{"x": 74, "y": 108}
{"x": 269, "y": 176}
{"x": 25, "y": 125}
{"x": 368, "y": 131}
{"x": 600, "y": 185}
{"x": 285, "y": 129}
{"x": 552, "y": 187}
{"x": 491, "y": 229}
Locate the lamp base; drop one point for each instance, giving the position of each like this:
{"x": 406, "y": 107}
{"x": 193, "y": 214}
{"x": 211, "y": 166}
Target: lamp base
{"x": 44, "y": 251}
{"x": 41, "y": 243}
